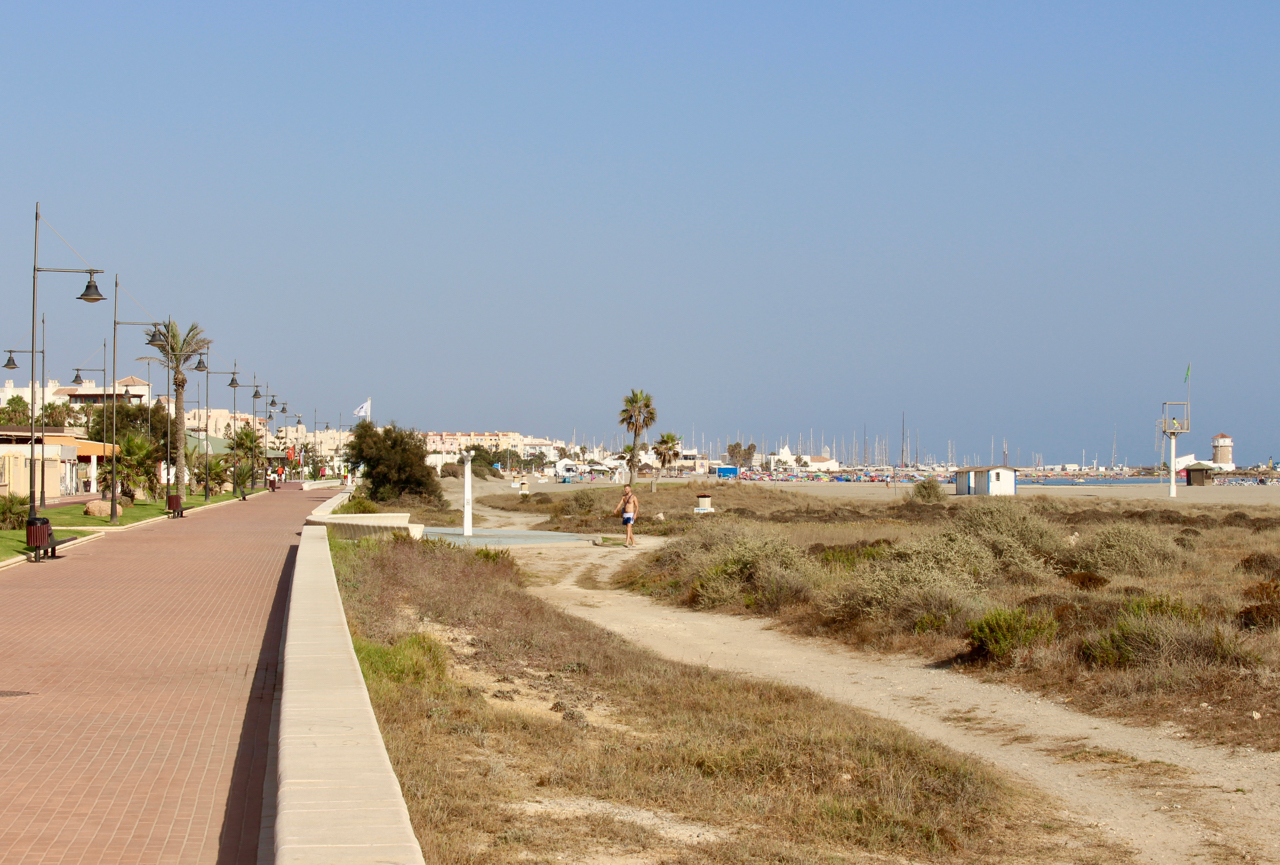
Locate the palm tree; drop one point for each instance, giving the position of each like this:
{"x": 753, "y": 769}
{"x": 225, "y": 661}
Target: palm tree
{"x": 637, "y": 415}
{"x": 135, "y": 467}
{"x": 180, "y": 352}
{"x": 667, "y": 449}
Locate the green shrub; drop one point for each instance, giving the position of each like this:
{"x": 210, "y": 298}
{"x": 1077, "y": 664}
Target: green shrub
{"x": 413, "y": 660}
{"x": 13, "y": 511}
{"x": 451, "y": 470}
{"x": 491, "y": 555}
{"x": 357, "y": 505}
{"x": 929, "y": 492}
{"x": 1000, "y": 632}
{"x": 1124, "y": 548}
{"x": 393, "y": 461}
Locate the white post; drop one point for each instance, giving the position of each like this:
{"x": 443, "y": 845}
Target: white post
{"x": 466, "y": 494}
{"x": 1173, "y": 466}
{"x": 93, "y": 473}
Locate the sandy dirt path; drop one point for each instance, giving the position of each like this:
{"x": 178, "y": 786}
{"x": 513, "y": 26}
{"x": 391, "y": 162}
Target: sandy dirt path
{"x": 1168, "y": 799}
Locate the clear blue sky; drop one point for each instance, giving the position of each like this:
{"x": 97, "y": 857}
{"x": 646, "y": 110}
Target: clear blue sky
{"x": 1012, "y": 220}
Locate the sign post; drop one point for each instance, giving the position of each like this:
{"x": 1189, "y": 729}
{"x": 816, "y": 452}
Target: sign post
{"x": 466, "y": 494}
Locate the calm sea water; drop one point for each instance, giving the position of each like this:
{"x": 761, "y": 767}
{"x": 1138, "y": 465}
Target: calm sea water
{"x": 1090, "y": 482}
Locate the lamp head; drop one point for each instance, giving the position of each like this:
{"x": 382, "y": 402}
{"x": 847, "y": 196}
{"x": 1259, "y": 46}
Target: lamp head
{"x": 270, "y": 416}
{"x": 326, "y": 426}
{"x": 233, "y": 382}
{"x": 284, "y": 409}
{"x": 156, "y": 340}
{"x": 257, "y": 394}
{"x": 91, "y": 293}
{"x": 201, "y": 366}
{"x": 77, "y": 381}
{"x": 273, "y": 402}
{"x": 10, "y": 363}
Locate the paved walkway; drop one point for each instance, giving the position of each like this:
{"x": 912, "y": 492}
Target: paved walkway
{"x": 136, "y": 681}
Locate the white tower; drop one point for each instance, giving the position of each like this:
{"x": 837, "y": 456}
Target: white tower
{"x": 1222, "y": 446}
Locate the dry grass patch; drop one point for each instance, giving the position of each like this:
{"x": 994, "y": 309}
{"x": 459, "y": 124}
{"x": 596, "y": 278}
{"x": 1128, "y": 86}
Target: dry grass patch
{"x": 1092, "y": 601}
{"x": 512, "y": 703}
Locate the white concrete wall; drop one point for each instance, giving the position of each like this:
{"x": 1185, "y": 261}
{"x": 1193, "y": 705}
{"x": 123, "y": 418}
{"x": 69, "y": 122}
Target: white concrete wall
{"x": 338, "y": 798}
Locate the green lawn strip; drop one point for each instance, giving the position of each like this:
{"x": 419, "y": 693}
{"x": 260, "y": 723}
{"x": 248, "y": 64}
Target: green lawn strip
{"x": 73, "y": 515}
{"x": 13, "y": 542}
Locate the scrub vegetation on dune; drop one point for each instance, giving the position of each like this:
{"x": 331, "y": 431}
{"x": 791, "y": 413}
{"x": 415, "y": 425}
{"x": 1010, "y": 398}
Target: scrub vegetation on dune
{"x": 1139, "y": 613}
{"x": 498, "y": 709}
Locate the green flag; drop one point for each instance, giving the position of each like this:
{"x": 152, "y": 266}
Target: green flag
{"x": 1188, "y": 375}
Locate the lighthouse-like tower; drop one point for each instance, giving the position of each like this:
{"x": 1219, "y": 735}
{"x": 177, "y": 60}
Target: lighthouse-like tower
{"x": 1222, "y": 445}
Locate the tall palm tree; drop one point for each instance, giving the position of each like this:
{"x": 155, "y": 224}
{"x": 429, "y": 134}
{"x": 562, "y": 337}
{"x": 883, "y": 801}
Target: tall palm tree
{"x": 637, "y": 415}
{"x": 667, "y": 449}
{"x": 180, "y": 352}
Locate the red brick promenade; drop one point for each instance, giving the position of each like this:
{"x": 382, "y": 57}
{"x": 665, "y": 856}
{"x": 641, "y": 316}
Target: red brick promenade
{"x": 150, "y": 660}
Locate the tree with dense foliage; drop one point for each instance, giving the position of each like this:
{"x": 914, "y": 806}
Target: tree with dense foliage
{"x": 636, "y": 416}
{"x": 180, "y": 353}
{"x": 16, "y": 412}
{"x": 741, "y": 456}
{"x": 393, "y": 461}
{"x": 59, "y": 414}
{"x": 131, "y": 419}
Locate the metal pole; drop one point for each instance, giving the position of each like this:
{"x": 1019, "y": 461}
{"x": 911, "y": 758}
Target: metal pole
{"x": 168, "y": 435}
{"x": 1173, "y": 463}
{"x": 115, "y": 333}
{"x": 206, "y": 430}
{"x": 44, "y": 435}
{"x": 35, "y": 277}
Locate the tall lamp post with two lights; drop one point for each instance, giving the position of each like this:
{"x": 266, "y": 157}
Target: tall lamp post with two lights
{"x": 154, "y": 339}
{"x": 91, "y": 295}
{"x": 77, "y": 381}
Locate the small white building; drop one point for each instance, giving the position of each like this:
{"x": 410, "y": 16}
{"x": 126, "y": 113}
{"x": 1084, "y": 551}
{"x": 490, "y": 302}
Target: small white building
{"x": 986, "y": 481}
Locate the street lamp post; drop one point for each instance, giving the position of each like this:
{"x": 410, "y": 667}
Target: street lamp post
{"x": 11, "y": 364}
{"x": 155, "y": 340}
{"x": 235, "y": 459}
{"x": 77, "y": 381}
{"x": 90, "y": 294}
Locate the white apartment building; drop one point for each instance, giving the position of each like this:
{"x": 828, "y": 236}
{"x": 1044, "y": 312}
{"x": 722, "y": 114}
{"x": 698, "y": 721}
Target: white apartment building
{"x": 131, "y": 389}
{"x": 454, "y": 443}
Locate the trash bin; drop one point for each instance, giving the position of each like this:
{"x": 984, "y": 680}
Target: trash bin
{"x": 38, "y": 531}
{"x": 272, "y": 482}
{"x": 174, "y": 503}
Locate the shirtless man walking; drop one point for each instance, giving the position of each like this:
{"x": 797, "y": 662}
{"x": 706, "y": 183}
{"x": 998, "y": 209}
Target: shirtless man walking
{"x": 630, "y": 508}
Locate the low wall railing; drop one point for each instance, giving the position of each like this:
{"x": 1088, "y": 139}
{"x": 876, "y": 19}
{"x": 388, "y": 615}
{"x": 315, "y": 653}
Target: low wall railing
{"x": 338, "y": 800}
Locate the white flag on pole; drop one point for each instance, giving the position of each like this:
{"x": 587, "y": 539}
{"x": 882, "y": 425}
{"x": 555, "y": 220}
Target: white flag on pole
{"x": 365, "y": 409}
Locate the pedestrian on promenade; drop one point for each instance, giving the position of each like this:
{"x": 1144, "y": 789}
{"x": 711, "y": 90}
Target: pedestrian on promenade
{"x": 630, "y": 508}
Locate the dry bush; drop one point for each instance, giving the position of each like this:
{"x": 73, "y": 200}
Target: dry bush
{"x": 729, "y": 561}
{"x": 929, "y": 492}
{"x": 948, "y": 564}
{"x": 793, "y": 776}
{"x": 1160, "y": 630}
{"x": 1124, "y": 548}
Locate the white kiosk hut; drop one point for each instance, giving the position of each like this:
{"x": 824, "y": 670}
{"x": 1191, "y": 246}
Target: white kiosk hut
{"x": 987, "y": 481}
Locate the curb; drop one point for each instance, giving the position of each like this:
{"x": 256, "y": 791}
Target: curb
{"x": 149, "y": 521}
{"x": 337, "y": 796}
{"x": 74, "y": 542}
